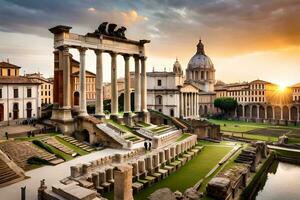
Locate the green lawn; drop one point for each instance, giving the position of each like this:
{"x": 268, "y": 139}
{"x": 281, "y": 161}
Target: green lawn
{"x": 254, "y": 137}
{"x": 120, "y": 126}
{"x": 190, "y": 173}
{"x": 185, "y": 135}
{"x": 71, "y": 146}
{"x": 241, "y": 126}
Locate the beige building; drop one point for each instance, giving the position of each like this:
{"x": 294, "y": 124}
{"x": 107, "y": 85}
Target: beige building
{"x": 8, "y": 69}
{"x": 46, "y": 87}
{"x": 296, "y": 93}
{"x": 262, "y": 101}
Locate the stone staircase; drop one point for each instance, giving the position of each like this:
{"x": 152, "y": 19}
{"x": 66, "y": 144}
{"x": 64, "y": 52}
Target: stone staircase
{"x": 6, "y": 173}
{"x": 75, "y": 142}
{"x": 56, "y": 144}
{"x": 113, "y": 134}
{"x": 21, "y": 151}
{"x": 179, "y": 124}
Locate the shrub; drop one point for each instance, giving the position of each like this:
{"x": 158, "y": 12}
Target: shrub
{"x": 42, "y": 145}
{"x": 34, "y": 160}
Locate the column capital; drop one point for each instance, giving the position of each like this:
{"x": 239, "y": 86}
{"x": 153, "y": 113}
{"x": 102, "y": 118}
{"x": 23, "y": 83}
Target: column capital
{"x": 82, "y": 50}
{"x": 126, "y": 57}
{"x": 64, "y": 49}
{"x": 143, "y": 58}
{"x": 112, "y": 53}
{"x": 98, "y": 51}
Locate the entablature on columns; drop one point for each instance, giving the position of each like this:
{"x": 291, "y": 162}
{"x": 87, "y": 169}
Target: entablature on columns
{"x": 62, "y": 37}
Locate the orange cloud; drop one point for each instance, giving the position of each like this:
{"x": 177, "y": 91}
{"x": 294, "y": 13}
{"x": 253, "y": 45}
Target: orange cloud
{"x": 132, "y": 17}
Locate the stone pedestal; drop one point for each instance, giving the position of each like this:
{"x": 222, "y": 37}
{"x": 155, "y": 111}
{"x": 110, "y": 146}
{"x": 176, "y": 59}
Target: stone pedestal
{"x": 127, "y": 118}
{"x": 123, "y": 183}
{"x": 63, "y": 120}
{"x": 143, "y": 116}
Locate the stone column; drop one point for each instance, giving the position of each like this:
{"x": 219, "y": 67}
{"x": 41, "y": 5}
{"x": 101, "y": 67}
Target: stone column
{"x": 191, "y": 104}
{"x": 250, "y": 111}
{"x": 290, "y": 113}
{"x": 127, "y": 86}
{"x": 298, "y": 114}
{"x": 180, "y": 104}
{"x": 266, "y": 112}
{"x": 66, "y": 78}
{"x": 114, "y": 86}
{"x": 143, "y": 85}
{"x": 243, "y": 111}
{"x": 197, "y": 109}
{"x": 99, "y": 83}
{"x": 281, "y": 113}
{"x": 137, "y": 97}
{"x": 123, "y": 183}
{"x": 82, "y": 80}
{"x": 257, "y": 107}
{"x": 273, "y": 112}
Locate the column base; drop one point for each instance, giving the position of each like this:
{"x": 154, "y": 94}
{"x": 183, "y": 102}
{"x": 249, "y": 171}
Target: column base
{"x": 100, "y": 116}
{"x": 62, "y": 119}
{"x": 143, "y": 116}
{"x": 127, "y": 118}
{"x": 83, "y": 114}
{"x": 114, "y": 117}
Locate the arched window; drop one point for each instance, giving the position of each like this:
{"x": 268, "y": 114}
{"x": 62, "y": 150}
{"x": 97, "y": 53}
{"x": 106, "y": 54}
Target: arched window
{"x": 15, "y": 111}
{"x": 158, "y": 100}
{"x": 172, "y": 112}
{"x": 29, "y": 109}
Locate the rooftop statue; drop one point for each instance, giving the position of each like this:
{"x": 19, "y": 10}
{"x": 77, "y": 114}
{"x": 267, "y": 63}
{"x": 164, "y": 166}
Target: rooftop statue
{"x": 110, "y": 30}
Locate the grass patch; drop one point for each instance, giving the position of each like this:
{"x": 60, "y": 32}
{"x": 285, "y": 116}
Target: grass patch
{"x": 71, "y": 146}
{"x": 254, "y": 137}
{"x": 144, "y": 124}
{"x": 120, "y": 126}
{"x": 241, "y": 126}
{"x": 189, "y": 174}
{"x": 52, "y": 150}
{"x": 184, "y": 136}
{"x": 288, "y": 153}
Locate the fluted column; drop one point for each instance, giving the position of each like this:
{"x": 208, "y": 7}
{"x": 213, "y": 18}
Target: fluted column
{"x": 137, "y": 91}
{"x": 82, "y": 81}
{"x": 143, "y": 85}
{"x": 114, "y": 86}
{"x": 127, "y": 108}
{"x": 99, "y": 83}
{"x": 66, "y": 78}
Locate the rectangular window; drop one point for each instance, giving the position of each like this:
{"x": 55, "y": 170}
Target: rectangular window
{"x": 0, "y": 93}
{"x": 159, "y": 82}
{"x": 42, "y": 93}
{"x": 28, "y": 92}
{"x": 16, "y": 93}
{"x": 41, "y": 86}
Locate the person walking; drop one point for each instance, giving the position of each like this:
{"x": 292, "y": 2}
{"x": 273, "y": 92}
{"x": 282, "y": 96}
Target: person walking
{"x": 146, "y": 145}
{"x": 149, "y": 145}
{"x": 6, "y": 135}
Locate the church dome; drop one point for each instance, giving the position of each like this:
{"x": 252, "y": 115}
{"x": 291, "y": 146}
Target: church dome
{"x": 177, "y": 67}
{"x": 200, "y": 60}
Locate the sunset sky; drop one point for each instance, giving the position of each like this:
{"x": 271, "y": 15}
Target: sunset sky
{"x": 246, "y": 39}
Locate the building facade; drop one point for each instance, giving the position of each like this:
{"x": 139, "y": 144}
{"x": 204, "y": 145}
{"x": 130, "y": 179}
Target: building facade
{"x": 19, "y": 99}
{"x": 8, "y": 69}
{"x": 262, "y": 101}
{"x": 46, "y": 87}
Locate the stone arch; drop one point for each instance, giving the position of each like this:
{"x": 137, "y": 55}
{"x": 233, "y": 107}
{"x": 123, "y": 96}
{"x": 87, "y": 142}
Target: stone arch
{"x": 158, "y": 100}
{"x": 254, "y": 111}
{"x": 277, "y": 111}
{"x": 261, "y": 112}
{"x": 269, "y": 112}
{"x": 205, "y": 110}
{"x": 285, "y": 112}
{"x": 201, "y": 110}
{"x": 76, "y": 98}
{"x": 29, "y": 109}
{"x": 247, "y": 111}
{"x": 85, "y": 135}
{"x": 239, "y": 111}
{"x": 293, "y": 113}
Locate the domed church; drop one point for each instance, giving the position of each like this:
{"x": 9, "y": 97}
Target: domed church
{"x": 200, "y": 70}
{"x": 193, "y": 97}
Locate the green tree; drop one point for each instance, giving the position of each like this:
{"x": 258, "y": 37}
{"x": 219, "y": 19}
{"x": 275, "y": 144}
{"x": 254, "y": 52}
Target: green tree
{"x": 225, "y": 104}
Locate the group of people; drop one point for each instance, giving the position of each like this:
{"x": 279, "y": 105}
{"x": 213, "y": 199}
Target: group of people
{"x": 147, "y": 145}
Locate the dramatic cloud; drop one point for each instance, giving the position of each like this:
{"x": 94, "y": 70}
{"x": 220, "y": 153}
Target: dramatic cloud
{"x": 229, "y": 29}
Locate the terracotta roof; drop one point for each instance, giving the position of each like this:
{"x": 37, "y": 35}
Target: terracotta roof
{"x": 16, "y": 80}
{"x": 8, "y": 65}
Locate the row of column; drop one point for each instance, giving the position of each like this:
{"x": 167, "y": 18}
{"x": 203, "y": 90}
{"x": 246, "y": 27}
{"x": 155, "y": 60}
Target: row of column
{"x": 266, "y": 113}
{"x": 189, "y": 104}
{"x": 140, "y": 82}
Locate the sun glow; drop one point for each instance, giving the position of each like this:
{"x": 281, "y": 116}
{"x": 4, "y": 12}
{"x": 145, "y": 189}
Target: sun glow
{"x": 282, "y": 87}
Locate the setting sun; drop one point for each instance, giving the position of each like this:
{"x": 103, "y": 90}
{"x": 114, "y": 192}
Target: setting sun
{"x": 282, "y": 86}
